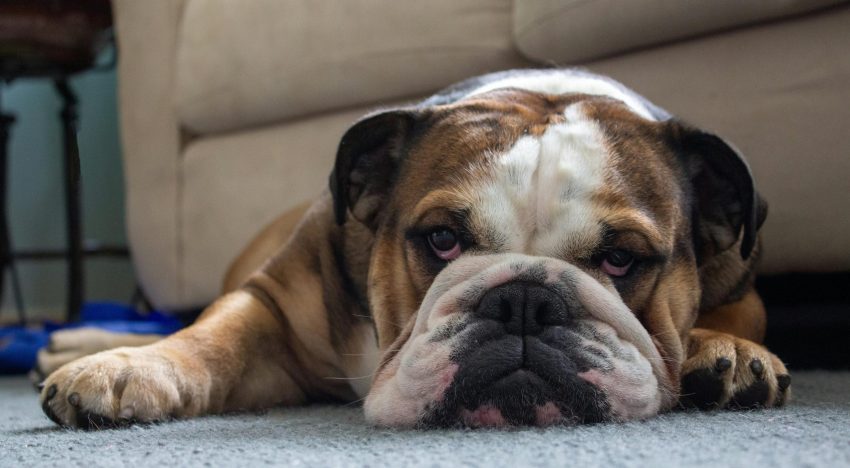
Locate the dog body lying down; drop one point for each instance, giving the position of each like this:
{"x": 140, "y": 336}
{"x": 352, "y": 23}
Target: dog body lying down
{"x": 525, "y": 247}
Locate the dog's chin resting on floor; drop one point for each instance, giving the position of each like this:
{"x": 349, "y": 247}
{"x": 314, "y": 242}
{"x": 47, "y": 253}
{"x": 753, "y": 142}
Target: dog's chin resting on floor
{"x": 530, "y": 247}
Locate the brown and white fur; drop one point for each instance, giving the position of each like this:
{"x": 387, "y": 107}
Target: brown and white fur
{"x": 541, "y": 176}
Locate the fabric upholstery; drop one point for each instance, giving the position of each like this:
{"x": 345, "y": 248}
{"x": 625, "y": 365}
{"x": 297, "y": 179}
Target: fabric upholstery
{"x": 150, "y": 136}
{"x": 306, "y": 56}
{"x": 578, "y": 30}
{"x": 234, "y": 184}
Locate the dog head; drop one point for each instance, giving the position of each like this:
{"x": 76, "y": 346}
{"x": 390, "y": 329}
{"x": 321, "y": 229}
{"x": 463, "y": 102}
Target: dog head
{"x": 536, "y": 256}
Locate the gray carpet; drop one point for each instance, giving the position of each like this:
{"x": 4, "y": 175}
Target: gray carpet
{"x": 813, "y": 431}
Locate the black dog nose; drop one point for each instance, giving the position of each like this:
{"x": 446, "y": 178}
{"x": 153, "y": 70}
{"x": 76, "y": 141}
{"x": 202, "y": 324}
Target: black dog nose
{"x": 524, "y": 308}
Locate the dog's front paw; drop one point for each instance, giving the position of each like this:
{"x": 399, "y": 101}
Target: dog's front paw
{"x": 724, "y": 371}
{"x": 118, "y": 387}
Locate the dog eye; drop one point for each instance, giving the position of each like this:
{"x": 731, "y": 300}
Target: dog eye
{"x": 617, "y": 262}
{"x": 444, "y": 243}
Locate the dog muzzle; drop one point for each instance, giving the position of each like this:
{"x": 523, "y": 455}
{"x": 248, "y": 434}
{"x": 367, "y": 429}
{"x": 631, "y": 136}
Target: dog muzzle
{"x": 512, "y": 339}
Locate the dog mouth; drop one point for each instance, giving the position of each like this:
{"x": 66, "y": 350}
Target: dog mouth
{"x": 519, "y": 398}
{"x": 517, "y": 381}
{"x": 513, "y": 340}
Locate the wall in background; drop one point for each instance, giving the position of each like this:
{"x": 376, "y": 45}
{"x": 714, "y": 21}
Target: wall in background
{"x": 36, "y": 197}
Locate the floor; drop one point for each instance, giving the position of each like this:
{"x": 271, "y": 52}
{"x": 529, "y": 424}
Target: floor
{"x": 813, "y": 431}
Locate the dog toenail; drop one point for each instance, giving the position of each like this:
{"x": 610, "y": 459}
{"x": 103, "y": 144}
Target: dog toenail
{"x": 722, "y": 365}
{"x": 74, "y": 399}
{"x": 51, "y": 392}
{"x": 757, "y": 367}
{"x": 126, "y": 413}
{"x": 784, "y": 381}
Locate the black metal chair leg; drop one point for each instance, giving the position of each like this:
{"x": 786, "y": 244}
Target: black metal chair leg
{"x": 6, "y": 255}
{"x": 72, "y": 199}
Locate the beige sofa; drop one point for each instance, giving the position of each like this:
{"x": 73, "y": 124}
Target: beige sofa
{"x": 231, "y": 110}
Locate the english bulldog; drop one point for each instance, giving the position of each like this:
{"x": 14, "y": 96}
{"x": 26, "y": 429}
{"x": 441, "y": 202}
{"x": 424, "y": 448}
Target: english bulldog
{"x": 529, "y": 247}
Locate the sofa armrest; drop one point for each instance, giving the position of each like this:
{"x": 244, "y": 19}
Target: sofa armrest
{"x": 147, "y": 36}
{"x": 578, "y": 30}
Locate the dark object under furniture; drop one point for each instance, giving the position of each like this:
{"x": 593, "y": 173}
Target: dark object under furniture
{"x": 808, "y": 318}
{"x": 51, "y": 39}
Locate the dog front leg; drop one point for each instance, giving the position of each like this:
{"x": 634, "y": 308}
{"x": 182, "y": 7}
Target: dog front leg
{"x": 235, "y": 357}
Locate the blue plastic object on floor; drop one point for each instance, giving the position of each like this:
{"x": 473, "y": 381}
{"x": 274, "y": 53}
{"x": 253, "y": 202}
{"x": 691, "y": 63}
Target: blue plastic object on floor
{"x": 19, "y": 345}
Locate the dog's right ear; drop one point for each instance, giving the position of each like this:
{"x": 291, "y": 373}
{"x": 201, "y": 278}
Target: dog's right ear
{"x": 367, "y": 161}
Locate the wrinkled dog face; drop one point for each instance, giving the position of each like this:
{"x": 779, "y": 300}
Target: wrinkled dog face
{"x": 533, "y": 260}
{"x": 516, "y": 339}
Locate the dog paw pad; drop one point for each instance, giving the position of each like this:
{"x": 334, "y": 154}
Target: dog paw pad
{"x": 701, "y": 389}
{"x": 754, "y": 396}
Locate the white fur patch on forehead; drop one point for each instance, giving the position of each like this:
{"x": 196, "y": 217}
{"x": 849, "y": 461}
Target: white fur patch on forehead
{"x": 564, "y": 83}
{"x": 538, "y": 196}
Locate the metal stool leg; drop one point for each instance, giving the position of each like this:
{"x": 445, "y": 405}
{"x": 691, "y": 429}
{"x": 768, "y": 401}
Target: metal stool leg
{"x": 72, "y": 199}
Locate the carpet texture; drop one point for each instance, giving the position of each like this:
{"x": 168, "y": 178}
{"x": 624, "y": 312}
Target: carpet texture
{"x": 813, "y": 431}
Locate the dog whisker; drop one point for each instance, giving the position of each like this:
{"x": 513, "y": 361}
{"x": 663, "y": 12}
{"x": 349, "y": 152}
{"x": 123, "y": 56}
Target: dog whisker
{"x": 400, "y": 325}
{"x": 350, "y": 378}
{"x": 352, "y": 403}
{"x": 393, "y": 350}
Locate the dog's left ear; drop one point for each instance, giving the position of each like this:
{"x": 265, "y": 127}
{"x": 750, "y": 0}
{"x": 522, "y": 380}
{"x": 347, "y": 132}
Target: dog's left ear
{"x": 725, "y": 200}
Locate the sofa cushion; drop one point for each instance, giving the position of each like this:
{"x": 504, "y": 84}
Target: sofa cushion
{"x": 571, "y": 31}
{"x": 234, "y": 184}
{"x": 244, "y": 63}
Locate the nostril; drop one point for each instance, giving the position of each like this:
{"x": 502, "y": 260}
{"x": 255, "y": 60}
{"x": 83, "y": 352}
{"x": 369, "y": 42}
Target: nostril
{"x": 505, "y": 310}
{"x": 543, "y": 314}
{"x": 545, "y": 308}
{"x": 552, "y": 313}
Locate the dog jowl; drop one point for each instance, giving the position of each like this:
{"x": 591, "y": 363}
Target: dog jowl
{"x": 529, "y": 247}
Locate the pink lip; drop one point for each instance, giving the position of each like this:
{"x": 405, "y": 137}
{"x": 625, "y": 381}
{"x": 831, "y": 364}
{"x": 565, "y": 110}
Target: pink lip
{"x": 483, "y": 416}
